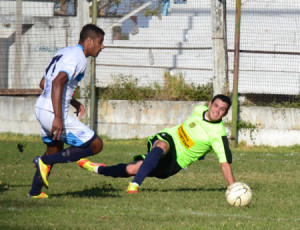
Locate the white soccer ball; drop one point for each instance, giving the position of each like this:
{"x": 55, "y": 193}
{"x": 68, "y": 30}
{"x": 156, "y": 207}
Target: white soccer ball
{"x": 238, "y": 194}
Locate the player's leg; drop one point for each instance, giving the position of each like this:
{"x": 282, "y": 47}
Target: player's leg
{"x": 84, "y": 142}
{"x": 159, "y": 148}
{"x": 37, "y": 184}
{"x": 45, "y": 119}
{"x": 120, "y": 170}
{"x": 74, "y": 153}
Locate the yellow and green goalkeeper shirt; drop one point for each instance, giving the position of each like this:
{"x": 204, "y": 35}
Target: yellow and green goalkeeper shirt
{"x": 196, "y": 136}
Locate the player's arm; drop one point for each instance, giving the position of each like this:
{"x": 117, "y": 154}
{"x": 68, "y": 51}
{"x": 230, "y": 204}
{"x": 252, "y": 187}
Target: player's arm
{"x": 227, "y": 172}
{"x": 80, "y": 110}
{"x": 56, "y": 96}
{"x": 221, "y": 148}
{"x": 42, "y": 83}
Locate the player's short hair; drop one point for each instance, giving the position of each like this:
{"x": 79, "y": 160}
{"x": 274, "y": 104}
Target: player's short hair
{"x": 90, "y": 30}
{"x": 223, "y": 98}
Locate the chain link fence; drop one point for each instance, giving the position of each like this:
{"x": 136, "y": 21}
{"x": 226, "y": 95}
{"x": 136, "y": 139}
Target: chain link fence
{"x": 147, "y": 43}
{"x": 269, "y": 50}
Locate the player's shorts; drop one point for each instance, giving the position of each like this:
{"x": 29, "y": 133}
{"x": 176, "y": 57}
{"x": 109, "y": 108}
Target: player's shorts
{"x": 167, "y": 165}
{"x": 75, "y": 133}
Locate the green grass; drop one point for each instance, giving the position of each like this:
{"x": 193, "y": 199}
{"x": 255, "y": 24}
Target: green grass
{"x": 192, "y": 199}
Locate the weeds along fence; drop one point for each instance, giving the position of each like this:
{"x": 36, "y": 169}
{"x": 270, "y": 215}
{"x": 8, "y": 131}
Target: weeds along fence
{"x": 148, "y": 44}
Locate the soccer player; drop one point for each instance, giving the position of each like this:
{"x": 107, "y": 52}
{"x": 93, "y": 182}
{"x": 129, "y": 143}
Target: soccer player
{"x": 175, "y": 148}
{"x": 61, "y": 77}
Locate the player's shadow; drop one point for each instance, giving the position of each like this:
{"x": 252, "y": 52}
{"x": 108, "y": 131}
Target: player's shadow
{"x": 109, "y": 191}
{"x": 4, "y": 187}
{"x": 196, "y": 189}
{"x": 104, "y": 191}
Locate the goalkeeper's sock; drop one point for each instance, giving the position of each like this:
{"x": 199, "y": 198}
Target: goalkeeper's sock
{"x": 67, "y": 155}
{"x": 114, "y": 171}
{"x": 149, "y": 163}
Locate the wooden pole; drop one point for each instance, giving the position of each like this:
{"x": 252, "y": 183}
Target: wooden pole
{"x": 93, "y": 76}
{"x": 235, "y": 103}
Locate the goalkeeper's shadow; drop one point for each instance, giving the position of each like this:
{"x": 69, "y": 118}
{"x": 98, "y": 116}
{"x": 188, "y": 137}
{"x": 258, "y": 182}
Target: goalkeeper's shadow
{"x": 184, "y": 189}
{"x": 92, "y": 192}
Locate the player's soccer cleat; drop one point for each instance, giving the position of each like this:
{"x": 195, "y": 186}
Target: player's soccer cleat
{"x": 43, "y": 169}
{"x": 41, "y": 195}
{"x": 132, "y": 188}
{"x": 87, "y": 164}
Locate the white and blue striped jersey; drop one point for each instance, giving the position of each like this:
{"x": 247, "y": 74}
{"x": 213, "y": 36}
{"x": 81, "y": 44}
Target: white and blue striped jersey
{"x": 73, "y": 62}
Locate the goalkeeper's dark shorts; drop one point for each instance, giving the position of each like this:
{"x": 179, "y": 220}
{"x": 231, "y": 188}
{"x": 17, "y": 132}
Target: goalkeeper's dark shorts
{"x": 167, "y": 165}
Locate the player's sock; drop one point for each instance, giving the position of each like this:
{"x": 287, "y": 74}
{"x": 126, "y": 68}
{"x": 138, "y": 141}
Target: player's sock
{"x": 37, "y": 183}
{"x": 114, "y": 171}
{"x": 148, "y": 165}
{"x": 67, "y": 155}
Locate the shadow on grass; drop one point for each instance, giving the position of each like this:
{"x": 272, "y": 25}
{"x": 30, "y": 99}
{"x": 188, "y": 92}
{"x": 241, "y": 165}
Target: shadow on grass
{"x": 105, "y": 190}
{"x": 3, "y": 187}
{"x": 187, "y": 190}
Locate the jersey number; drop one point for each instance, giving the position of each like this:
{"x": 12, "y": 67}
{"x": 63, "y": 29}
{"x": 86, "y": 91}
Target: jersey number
{"x": 53, "y": 62}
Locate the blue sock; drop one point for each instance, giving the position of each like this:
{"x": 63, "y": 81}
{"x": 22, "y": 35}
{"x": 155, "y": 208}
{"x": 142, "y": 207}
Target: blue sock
{"x": 148, "y": 165}
{"x": 67, "y": 155}
{"x": 37, "y": 184}
{"x": 114, "y": 171}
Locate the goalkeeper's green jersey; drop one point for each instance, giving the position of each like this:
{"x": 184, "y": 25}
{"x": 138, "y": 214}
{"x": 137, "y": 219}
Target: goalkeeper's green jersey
{"x": 196, "y": 136}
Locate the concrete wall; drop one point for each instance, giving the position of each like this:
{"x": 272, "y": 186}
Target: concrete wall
{"x": 123, "y": 119}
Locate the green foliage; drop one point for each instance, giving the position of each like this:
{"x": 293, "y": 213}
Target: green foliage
{"x": 192, "y": 199}
{"x": 246, "y": 125}
{"x": 174, "y": 88}
{"x": 77, "y": 93}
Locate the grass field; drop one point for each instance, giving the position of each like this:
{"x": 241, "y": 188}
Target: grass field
{"x": 192, "y": 199}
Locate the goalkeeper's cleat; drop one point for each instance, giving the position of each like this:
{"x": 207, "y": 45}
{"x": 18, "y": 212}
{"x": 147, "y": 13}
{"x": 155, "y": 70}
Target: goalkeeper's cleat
{"x": 87, "y": 164}
{"x": 132, "y": 188}
{"x": 41, "y": 195}
{"x": 43, "y": 169}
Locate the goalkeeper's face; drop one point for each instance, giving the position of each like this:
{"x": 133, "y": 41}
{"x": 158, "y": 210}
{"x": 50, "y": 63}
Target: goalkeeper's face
{"x": 217, "y": 110}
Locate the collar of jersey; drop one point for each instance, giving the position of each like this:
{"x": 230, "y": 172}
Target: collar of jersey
{"x": 80, "y": 47}
{"x": 208, "y": 120}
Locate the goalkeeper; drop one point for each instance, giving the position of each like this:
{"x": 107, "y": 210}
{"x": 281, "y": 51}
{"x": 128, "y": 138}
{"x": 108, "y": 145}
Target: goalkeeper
{"x": 175, "y": 148}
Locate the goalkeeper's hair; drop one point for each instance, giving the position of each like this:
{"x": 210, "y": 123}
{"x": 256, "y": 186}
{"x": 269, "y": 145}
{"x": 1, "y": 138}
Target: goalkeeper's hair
{"x": 90, "y": 31}
{"x": 223, "y": 98}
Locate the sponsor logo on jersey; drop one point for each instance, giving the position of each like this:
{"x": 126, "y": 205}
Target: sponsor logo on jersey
{"x": 184, "y": 137}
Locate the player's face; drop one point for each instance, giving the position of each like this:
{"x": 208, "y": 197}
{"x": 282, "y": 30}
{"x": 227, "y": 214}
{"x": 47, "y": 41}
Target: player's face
{"x": 217, "y": 110}
{"x": 95, "y": 46}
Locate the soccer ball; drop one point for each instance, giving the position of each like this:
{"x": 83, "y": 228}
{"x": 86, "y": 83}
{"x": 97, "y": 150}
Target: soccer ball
{"x": 238, "y": 194}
